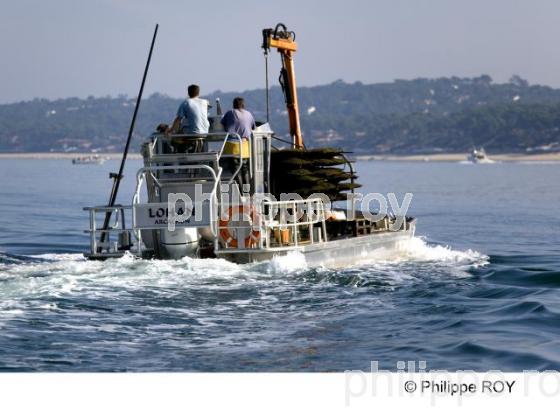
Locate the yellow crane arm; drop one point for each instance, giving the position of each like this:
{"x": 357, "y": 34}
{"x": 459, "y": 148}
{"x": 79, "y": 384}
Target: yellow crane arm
{"x": 284, "y": 41}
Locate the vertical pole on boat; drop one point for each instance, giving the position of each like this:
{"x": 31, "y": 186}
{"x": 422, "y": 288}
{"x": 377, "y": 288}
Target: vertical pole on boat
{"x": 218, "y": 108}
{"x": 266, "y": 85}
{"x": 117, "y": 177}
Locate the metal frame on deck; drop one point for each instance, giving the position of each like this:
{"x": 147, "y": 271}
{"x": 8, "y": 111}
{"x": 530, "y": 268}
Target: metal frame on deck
{"x": 268, "y": 223}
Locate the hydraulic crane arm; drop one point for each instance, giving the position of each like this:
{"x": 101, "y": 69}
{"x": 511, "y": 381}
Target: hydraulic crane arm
{"x": 284, "y": 41}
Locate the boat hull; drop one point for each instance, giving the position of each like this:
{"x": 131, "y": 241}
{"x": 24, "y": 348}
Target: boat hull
{"x": 335, "y": 253}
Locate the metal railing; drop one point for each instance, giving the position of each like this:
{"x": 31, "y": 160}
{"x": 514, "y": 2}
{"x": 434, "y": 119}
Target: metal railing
{"x": 293, "y": 215}
{"x": 276, "y": 219}
{"x": 141, "y": 177}
{"x": 118, "y": 225}
{"x": 112, "y": 247}
{"x": 201, "y": 140}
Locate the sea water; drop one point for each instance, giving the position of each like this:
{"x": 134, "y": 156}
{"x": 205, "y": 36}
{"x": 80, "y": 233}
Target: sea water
{"x": 477, "y": 289}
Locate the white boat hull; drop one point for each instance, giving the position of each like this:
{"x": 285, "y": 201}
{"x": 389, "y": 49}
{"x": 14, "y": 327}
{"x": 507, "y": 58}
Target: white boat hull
{"x": 335, "y": 253}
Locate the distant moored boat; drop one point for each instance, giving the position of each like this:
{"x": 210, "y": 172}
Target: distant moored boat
{"x": 89, "y": 159}
{"x": 478, "y": 156}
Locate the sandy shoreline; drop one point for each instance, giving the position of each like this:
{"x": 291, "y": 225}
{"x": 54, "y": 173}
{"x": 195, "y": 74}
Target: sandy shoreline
{"x": 554, "y": 156}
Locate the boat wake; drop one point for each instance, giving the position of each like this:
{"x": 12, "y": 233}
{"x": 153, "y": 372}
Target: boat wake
{"x": 56, "y": 274}
{"x": 204, "y": 314}
{"x": 417, "y": 249}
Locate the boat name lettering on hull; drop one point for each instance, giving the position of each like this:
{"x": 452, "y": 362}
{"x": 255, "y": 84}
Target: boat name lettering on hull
{"x": 157, "y": 215}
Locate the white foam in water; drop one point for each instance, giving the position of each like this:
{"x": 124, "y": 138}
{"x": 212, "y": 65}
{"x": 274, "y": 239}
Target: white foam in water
{"x": 416, "y": 249}
{"x": 60, "y": 256}
{"x": 410, "y": 250}
{"x": 59, "y": 274}
{"x": 416, "y": 253}
{"x": 289, "y": 263}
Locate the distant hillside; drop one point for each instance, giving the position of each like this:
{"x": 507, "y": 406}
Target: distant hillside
{"x": 416, "y": 116}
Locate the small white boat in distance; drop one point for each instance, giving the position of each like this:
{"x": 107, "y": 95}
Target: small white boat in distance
{"x": 478, "y": 156}
{"x": 89, "y": 159}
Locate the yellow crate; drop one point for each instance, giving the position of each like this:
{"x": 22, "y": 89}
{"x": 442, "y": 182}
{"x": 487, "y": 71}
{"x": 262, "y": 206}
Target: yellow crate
{"x": 232, "y": 148}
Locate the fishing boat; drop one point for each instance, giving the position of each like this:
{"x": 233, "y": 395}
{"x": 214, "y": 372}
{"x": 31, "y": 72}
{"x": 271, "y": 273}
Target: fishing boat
{"x": 479, "y": 156}
{"x": 188, "y": 201}
{"x": 89, "y": 160}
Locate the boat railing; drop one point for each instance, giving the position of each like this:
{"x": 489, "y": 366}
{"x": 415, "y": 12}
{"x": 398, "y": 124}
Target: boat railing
{"x": 201, "y": 151}
{"x": 213, "y": 204}
{"x": 130, "y": 237}
{"x": 293, "y": 218}
{"x": 283, "y": 225}
{"x": 110, "y": 246}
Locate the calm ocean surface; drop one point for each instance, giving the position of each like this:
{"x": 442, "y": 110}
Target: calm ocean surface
{"x": 479, "y": 289}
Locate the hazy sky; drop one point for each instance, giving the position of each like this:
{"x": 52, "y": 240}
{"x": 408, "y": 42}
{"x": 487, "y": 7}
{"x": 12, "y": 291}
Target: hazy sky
{"x": 63, "y": 48}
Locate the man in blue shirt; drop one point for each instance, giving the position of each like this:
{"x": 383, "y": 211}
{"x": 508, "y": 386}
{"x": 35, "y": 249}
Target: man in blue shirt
{"x": 192, "y": 113}
{"x": 192, "y": 116}
{"x": 241, "y": 122}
